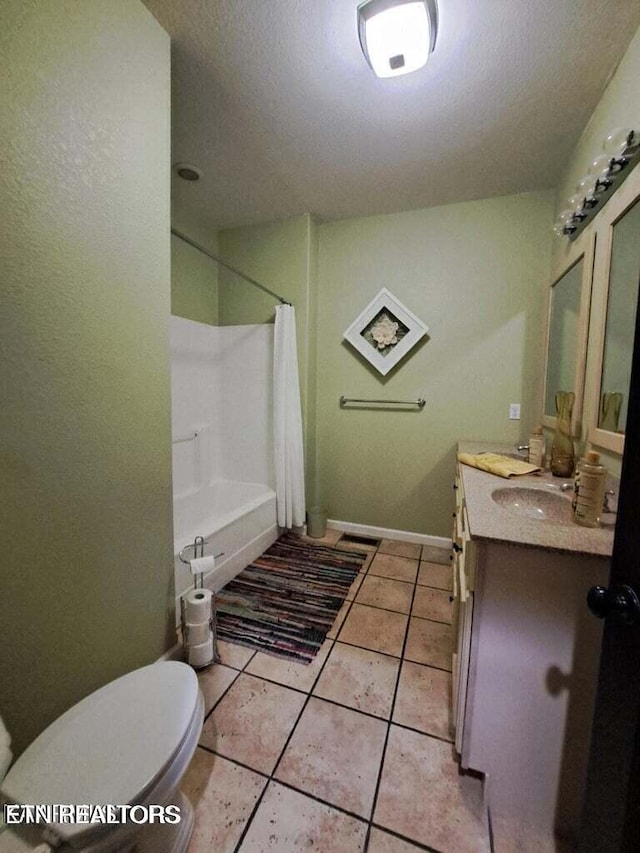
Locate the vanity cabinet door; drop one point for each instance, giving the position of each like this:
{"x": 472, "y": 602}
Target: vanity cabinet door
{"x": 464, "y": 559}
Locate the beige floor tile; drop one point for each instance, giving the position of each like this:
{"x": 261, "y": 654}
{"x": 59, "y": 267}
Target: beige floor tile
{"x": 289, "y": 822}
{"x": 424, "y": 700}
{"x": 252, "y": 722}
{"x": 396, "y": 568}
{"x": 213, "y": 683}
{"x": 290, "y": 673}
{"x": 367, "y": 562}
{"x": 383, "y": 842}
{"x": 340, "y": 617}
{"x": 359, "y": 678}
{"x": 430, "y": 643}
{"x": 382, "y": 592}
{"x": 400, "y": 549}
{"x": 436, "y": 575}
{"x": 436, "y": 555}
{"x": 231, "y": 654}
{"x": 423, "y": 797}
{"x": 432, "y": 604}
{"x": 355, "y": 586}
{"x": 371, "y": 628}
{"x": 223, "y": 796}
{"x": 335, "y": 754}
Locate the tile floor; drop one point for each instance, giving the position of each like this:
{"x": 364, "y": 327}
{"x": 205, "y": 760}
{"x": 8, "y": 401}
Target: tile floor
{"x": 352, "y": 752}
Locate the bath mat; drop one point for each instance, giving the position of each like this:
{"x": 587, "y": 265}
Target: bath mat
{"x": 287, "y": 600}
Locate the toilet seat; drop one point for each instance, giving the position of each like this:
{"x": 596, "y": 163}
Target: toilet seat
{"x": 117, "y": 746}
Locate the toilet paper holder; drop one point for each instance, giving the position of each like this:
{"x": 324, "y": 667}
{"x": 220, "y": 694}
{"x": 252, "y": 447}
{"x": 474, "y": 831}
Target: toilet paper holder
{"x": 198, "y": 551}
{"x": 198, "y": 582}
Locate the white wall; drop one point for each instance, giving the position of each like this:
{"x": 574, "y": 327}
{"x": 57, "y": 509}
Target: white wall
{"x": 221, "y": 382}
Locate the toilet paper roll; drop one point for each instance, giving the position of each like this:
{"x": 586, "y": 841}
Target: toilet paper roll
{"x": 198, "y": 606}
{"x": 197, "y": 633}
{"x": 202, "y": 564}
{"x": 202, "y": 654}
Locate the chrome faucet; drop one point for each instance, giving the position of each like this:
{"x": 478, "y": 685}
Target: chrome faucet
{"x": 606, "y": 506}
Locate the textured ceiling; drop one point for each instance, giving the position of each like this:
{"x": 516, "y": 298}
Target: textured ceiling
{"x": 273, "y": 100}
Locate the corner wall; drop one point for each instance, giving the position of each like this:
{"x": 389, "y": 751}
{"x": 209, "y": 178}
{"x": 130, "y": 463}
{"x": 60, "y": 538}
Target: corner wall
{"x": 282, "y": 256}
{"x": 85, "y": 482}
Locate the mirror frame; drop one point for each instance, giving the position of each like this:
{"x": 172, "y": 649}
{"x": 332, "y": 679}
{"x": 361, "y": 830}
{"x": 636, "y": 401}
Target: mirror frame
{"x": 617, "y": 207}
{"x": 583, "y": 248}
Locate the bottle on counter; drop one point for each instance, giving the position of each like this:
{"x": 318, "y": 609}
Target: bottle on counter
{"x": 589, "y": 490}
{"x": 536, "y": 448}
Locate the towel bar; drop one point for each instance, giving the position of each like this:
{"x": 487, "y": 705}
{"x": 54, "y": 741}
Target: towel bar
{"x": 185, "y": 438}
{"x": 420, "y": 402}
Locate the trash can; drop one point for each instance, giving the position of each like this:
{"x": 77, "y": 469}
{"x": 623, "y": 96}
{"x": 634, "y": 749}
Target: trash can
{"x": 316, "y": 522}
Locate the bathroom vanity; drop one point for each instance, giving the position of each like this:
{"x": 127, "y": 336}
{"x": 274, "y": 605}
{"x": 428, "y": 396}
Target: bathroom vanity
{"x": 526, "y": 650}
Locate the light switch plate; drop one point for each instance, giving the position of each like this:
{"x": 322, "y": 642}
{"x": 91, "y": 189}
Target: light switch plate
{"x": 514, "y": 411}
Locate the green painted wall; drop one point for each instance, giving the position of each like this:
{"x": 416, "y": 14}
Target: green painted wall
{"x": 194, "y": 283}
{"x": 472, "y": 272}
{"x": 282, "y": 256}
{"x": 85, "y": 476}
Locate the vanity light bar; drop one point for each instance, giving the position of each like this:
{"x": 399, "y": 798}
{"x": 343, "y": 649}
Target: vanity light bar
{"x": 606, "y": 173}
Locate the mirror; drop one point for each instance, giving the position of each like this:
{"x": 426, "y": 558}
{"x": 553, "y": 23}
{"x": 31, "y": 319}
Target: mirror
{"x": 567, "y": 332}
{"x": 618, "y": 273}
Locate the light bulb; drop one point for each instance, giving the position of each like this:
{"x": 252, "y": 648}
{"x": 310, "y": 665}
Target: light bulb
{"x": 600, "y": 167}
{"x": 586, "y": 186}
{"x": 620, "y": 140}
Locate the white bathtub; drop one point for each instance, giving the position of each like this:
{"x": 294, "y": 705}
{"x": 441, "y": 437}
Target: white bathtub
{"x": 236, "y": 519}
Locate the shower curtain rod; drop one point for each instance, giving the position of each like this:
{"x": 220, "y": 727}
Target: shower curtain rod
{"x": 227, "y": 266}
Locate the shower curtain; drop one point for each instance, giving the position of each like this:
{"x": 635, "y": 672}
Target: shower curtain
{"x": 287, "y": 421}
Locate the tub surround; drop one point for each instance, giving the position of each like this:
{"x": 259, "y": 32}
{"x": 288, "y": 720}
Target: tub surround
{"x": 222, "y": 451}
{"x": 492, "y": 523}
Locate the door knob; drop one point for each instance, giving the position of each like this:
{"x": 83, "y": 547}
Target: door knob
{"x": 619, "y": 602}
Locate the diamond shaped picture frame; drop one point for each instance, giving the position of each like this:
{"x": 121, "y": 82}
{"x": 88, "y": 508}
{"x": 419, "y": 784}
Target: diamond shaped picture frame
{"x": 385, "y": 332}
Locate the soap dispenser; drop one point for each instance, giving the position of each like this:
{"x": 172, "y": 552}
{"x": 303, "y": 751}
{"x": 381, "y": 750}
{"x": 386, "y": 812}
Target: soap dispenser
{"x": 589, "y": 490}
{"x": 536, "y": 448}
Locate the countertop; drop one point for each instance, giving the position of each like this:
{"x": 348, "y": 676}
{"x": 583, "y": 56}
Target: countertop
{"x": 491, "y": 522}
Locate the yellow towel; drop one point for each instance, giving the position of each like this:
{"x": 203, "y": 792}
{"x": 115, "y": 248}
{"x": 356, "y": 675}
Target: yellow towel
{"x": 503, "y": 466}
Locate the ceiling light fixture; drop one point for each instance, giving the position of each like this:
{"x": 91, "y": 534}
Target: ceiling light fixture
{"x": 397, "y": 36}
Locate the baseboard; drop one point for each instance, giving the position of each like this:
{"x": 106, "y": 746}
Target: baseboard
{"x": 390, "y": 533}
{"x": 174, "y": 653}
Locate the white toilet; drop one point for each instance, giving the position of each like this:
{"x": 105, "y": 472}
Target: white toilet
{"x": 128, "y": 743}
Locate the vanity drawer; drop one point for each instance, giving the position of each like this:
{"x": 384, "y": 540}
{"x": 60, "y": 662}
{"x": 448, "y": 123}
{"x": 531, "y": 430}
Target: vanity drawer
{"x": 464, "y": 557}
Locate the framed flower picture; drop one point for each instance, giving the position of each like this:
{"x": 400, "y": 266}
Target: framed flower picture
{"x": 385, "y": 331}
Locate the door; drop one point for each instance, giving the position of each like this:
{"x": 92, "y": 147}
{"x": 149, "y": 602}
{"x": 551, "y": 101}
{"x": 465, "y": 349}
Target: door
{"x": 611, "y": 820}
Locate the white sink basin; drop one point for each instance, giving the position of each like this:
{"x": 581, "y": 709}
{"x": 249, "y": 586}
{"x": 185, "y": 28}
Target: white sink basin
{"x": 534, "y": 503}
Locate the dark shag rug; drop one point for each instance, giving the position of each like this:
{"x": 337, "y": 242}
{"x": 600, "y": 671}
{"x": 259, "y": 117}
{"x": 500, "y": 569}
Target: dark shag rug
{"x": 287, "y": 600}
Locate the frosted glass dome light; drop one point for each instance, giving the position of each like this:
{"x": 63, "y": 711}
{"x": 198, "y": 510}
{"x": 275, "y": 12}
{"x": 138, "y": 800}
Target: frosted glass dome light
{"x": 397, "y": 36}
